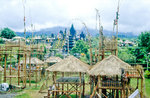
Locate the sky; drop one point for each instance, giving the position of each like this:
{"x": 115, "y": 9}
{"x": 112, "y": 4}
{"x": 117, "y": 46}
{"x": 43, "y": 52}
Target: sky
{"x": 134, "y": 15}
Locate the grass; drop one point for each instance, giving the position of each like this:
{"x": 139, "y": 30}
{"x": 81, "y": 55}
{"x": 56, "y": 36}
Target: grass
{"x": 146, "y": 88}
{"x": 24, "y": 95}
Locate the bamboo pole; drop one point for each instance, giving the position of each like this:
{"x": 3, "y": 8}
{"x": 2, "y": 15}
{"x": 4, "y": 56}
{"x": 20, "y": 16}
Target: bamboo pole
{"x": 62, "y": 84}
{"x": 80, "y": 84}
{"x": 137, "y": 83}
{"x": 36, "y": 77}
{"x": 99, "y": 84}
{"x": 25, "y": 70}
{"x": 83, "y": 86}
{"x": 19, "y": 68}
{"x": 95, "y": 55}
{"x": 117, "y": 92}
{"x": 55, "y": 74}
{"x": 10, "y": 66}
{"x": 30, "y": 70}
{"x": 5, "y": 68}
{"x": 141, "y": 84}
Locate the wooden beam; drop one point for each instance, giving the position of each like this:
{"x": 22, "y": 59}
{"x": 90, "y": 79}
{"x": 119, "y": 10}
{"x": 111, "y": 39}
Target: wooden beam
{"x": 5, "y": 68}
{"x": 30, "y": 70}
{"x": 19, "y": 69}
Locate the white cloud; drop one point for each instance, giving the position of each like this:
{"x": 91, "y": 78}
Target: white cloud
{"x": 134, "y": 14}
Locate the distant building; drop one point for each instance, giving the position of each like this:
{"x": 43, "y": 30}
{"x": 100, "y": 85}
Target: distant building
{"x": 72, "y": 31}
{"x": 69, "y": 43}
{"x": 37, "y": 39}
{"x": 82, "y": 36}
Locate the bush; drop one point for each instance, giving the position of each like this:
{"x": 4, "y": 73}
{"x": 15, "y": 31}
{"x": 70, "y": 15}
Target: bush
{"x": 147, "y": 74}
{"x": 1, "y": 41}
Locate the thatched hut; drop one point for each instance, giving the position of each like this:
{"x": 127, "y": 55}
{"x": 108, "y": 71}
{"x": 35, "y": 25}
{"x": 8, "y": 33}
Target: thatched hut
{"x": 72, "y": 70}
{"x": 108, "y": 75}
{"x": 52, "y": 60}
{"x": 34, "y": 61}
{"x": 33, "y": 70}
{"x": 109, "y": 66}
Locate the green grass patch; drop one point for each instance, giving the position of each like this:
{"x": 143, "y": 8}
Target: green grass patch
{"x": 146, "y": 88}
{"x": 32, "y": 81}
{"x": 25, "y": 95}
{"x": 72, "y": 96}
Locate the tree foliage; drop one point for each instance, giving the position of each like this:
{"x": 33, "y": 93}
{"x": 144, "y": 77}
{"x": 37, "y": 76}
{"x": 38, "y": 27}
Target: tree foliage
{"x": 144, "y": 40}
{"x": 141, "y": 52}
{"x": 80, "y": 47}
{"x": 126, "y": 56}
{"x": 7, "y": 33}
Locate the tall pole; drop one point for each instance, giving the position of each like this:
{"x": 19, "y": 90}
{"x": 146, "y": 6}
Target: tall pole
{"x": 5, "y": 68}
{"x": 101, "y": 37}
{"x": 23, "y": 1}
{"x": 68, "y": 42}
{"x": 89, "y": 38}
{"x": 117, "y": 18}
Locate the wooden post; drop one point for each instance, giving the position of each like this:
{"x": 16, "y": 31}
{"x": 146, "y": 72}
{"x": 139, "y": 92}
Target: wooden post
{"x": 117, "y": 92}
{"x": 80, "y": 84}
{"x": 36, "y": 76}
{"x": 90, "y": 56}
{"x": 47, "y": 79}
{"x": 10, "y": 67}
{"x": 5, "y": 68}
{"x": 124, "y": 94}
{"x": 30, "y": 70}
{"x": 95, "y": 55}
{"x": 103, "y": 54}
{"x": 55, "y": 73}
{"x": 62, "y": 84}
{"x": 121, "y": 93}
{"x": 137, "y": 83}
{"x": 116, "y": 50}
{"x": 99, "y": 84}
{"x": 83, "y": 86}
{"x": 90, "y": 84}
{"x": 25, "y": 70}
{"x": 142, "y": 84}
{"x": 19, "y": 68}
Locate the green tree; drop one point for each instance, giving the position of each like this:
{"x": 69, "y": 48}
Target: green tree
{"x": 80, "y": 47}
{"x": 126, "y": 56}
{"x": 7, "y": 33}
{"x": 144, "y": 40}
{"x": 143, "y": 48}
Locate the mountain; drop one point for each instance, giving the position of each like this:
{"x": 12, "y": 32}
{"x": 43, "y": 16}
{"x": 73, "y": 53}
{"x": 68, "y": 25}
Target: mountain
{"x": 93, "y": 32}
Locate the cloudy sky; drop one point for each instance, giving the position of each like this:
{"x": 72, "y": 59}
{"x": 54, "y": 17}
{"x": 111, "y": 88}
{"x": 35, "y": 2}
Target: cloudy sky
{"x": 134, "y": 14}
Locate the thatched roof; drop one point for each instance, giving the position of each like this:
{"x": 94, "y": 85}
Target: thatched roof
{"x": 53, "y": 60}
{"x": 69, "y": 64}
{"x": 34, "y": 60}
{"x": 109, "y": 66}
{"x": 1, "y": 69}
